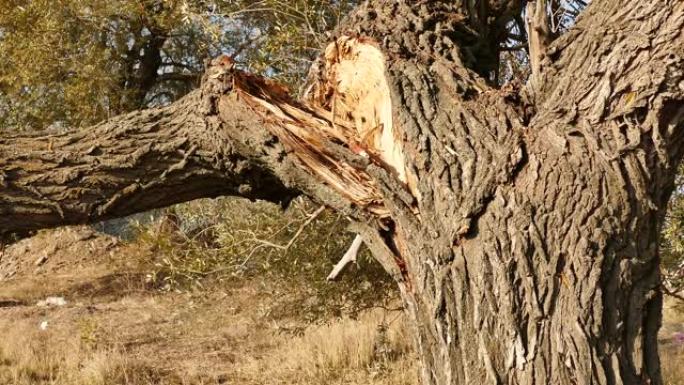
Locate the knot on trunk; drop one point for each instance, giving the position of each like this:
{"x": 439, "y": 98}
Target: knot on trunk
{"x": 216, "y": 81}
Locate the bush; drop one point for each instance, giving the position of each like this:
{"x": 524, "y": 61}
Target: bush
{"x": 228, "y": 239}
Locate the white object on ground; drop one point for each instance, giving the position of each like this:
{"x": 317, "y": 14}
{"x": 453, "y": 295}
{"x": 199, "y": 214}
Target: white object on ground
{"x": 52, "y": 301}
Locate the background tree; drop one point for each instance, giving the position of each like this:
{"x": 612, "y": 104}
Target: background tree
{"x": 76, "y": 62}
{"x": 672, "y": 243}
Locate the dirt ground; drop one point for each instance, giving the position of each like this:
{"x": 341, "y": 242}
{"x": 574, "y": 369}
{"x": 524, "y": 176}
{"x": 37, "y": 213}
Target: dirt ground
{"x": 117, "y": 327}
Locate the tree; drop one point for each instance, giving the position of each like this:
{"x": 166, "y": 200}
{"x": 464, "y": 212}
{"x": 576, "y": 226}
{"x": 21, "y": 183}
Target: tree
{"x": 113, "y": 57}
{"x": 521, "y": 224}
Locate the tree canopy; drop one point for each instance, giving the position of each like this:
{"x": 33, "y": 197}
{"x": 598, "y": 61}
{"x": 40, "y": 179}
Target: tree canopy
{"x": 76, "y": 62}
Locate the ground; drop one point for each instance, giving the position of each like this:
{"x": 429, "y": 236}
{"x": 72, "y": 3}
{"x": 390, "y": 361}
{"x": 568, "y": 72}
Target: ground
{"x": 122, "y": 325}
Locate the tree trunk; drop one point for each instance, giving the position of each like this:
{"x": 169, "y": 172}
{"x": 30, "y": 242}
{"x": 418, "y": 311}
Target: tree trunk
{"x": 521, "y": 225}
{"x": 535, "y": 258}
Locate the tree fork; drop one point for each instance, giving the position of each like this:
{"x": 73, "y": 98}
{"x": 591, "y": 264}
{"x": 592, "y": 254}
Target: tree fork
{"x": 525, "y": 247}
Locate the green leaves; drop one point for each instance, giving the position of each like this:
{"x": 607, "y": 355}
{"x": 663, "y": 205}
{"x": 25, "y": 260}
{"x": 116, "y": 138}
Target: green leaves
{"x": 672, "y": 238}
{"x": 77, "y": 62}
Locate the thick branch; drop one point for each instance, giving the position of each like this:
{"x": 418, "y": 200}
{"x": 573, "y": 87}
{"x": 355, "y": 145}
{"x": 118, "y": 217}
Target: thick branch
{"x": 615, "y": 85}
{"x": 539, "y": 36}
{"x": 238, "y": 135}
{"x": 132, "y": 163}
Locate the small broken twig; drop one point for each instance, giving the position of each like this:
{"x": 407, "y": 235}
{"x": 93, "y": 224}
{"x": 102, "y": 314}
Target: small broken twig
{"x": 347, "y": 258}
{"x": 264, "y": 243}
{"x": 671, "y": 293}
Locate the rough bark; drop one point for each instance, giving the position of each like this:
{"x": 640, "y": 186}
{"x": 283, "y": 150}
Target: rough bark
{"x": 129, "y": 164}
{"x": 538, "y": 263}
{"x": 539, "y": 37}
{"x": 523, "y": 237}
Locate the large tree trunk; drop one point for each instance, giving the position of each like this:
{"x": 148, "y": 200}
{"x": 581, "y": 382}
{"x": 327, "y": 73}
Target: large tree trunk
{"x": 521, "y": 225}
{"x": 535, "y": 256}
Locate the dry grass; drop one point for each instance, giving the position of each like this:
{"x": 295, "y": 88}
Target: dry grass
{"x": 370, "y": 350}
{"x": 673, "y": 366}
{"x": 259, "y": 323}
{"x": 373, "y": 349}
{"x": 29, "y": 356}
{"x": 340, "y": 352}
{"x": 178, "y": 339}
{"x": 671, "y": 350}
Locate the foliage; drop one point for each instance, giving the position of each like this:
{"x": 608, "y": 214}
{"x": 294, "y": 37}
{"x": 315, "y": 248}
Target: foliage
{"x": 672, "y": 239}
{"x": 76, "y": 62}
{"x": 73, "y": 62}
{"x": 228, "y": 238}
{"x": 287, "y": 34}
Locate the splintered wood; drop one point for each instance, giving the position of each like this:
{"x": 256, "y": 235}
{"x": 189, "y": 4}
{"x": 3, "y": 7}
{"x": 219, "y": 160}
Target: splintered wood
{"x": 352, "y": 107}
{"x": 360, "y": 93}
